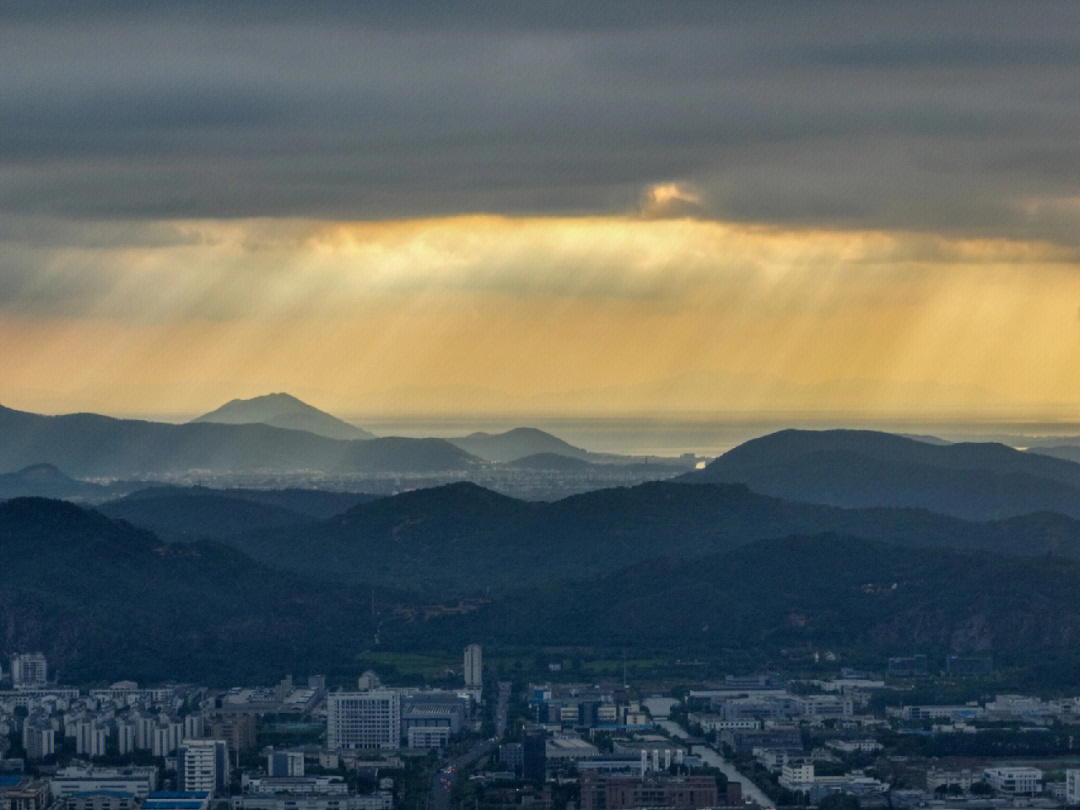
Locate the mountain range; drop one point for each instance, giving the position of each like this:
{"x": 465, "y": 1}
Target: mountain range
{"x": 517, "y": 443}
{"x": 204, "y": 611}
{"x": 862, "y": 543}
{"x": 461, "y": 539}
{"x": 93, "y": 446}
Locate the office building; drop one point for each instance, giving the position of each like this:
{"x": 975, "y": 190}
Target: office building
{"x": 1020, "y": 780}
{"x": 84, "y": 780}
{"x": 363, "y": 721}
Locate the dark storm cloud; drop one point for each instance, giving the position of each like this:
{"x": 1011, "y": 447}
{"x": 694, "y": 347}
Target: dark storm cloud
{"x": 954, "y": 117}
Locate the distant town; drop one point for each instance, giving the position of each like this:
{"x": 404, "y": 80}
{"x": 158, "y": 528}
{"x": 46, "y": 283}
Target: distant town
{"x": 847, "y": 740}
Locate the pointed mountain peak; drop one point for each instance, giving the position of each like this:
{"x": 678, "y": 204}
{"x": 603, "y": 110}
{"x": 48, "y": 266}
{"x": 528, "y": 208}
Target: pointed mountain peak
{"x": 283, "y": 410}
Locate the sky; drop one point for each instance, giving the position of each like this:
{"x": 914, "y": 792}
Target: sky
{"x": 595, "y": 208}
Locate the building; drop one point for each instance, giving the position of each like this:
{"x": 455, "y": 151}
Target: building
{"x": 1072, "y": 786}
{"x": 110, "y": 800}
{"x": 237, "y": 729}
{"x": 284, "y": 763}
{"x": 797, "y": 776}
{"x": 512, "y": 756}
{"x": 427, "y": 737}
{"x": 165, "y": 737}
{"x": 599, "y": 792}
{"x": 1020, "y": 780}
{"x": 21, "y": 793}
{"x": 428, "y": 720}
{"x": 39, "y": 737}
{"x": 202, "y": 766}
{"x": 306, "y": 793}
{"x": 177, "y": 801}
{"x": 474, "y": 667}
{"x": 87, "y": 780}
{"x": 961, "y": 779}
{"x": 316, "y": 801}
{"x": 363, "y": 721}
{"x": 28, "y": 671}
{"x": 534, "y": 758}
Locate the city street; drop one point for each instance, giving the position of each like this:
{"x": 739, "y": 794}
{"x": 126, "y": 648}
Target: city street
{"x": 442, "y": 782}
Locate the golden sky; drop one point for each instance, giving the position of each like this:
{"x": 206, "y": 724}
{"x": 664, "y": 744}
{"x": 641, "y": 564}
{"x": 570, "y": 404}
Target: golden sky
{"x": 571, "y": 315}
{"x": 532, "y": 208}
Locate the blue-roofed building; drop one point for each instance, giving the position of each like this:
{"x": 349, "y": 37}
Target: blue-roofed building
{"x": 177, "y": 800}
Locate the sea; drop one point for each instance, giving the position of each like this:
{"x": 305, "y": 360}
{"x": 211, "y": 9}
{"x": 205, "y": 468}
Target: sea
{"x": 708, "y": 436}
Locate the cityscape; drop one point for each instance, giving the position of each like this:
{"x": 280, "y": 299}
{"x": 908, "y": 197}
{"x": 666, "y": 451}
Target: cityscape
{"x": 750, "y": 742}
{"x": 539, "y": 405}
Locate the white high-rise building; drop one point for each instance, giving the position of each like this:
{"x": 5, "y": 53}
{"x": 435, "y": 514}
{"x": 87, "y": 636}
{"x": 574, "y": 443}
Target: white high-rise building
{"x": 165, "y": 736}
{"x": 359, "y": 721}
{"x": 194, "y": 727}
{"x": 474, "y": 667}
{"x": 202, "y": 766}
{"x": 39, "y": 737}
{"x": 28, "y": 671}
{"x": 91, "y": 738}
{"x": 125, "y": 736}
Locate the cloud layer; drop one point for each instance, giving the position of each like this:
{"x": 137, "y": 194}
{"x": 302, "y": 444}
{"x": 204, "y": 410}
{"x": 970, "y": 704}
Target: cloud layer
{"x": 952, "y": 117}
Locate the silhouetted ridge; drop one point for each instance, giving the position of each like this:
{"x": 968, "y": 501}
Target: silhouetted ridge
{"x": 460, "y": 539}
{"x": 283, "y": 411}
{"x": 553, "y": 462}
{"x": 91, "y": 445}
{"x": 515, "y": 444}
{"x": 865, "y": 468}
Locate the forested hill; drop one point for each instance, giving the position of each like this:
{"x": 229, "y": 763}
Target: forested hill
{"x": 823, "y": 592}
{"x": 461, "y": 539}
{"x": 856, "y": 468}
{"x": 104, "y": 599}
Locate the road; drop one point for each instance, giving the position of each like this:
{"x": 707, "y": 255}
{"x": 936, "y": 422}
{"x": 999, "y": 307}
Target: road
{"x": 442, "y": 782}
{"x": 712, "y": 757}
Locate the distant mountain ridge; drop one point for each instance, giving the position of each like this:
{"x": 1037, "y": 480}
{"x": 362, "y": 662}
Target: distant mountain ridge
{"x": 461, "y": 539}
{"x": 515, "y": 444}
{"x": 284, "y": 411}
{"x": 852, "y": 468}
{"x": 194, "y": 513}
{"x": 92, "y": 446}
{"x": 47, "y": 481}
